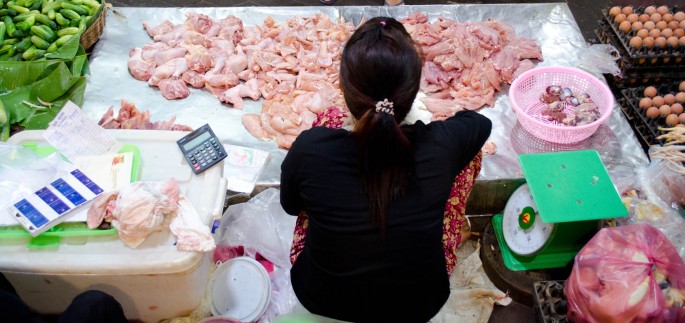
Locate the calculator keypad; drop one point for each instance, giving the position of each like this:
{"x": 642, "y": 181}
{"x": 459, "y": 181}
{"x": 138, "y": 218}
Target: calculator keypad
{"x": 205, "y": 154}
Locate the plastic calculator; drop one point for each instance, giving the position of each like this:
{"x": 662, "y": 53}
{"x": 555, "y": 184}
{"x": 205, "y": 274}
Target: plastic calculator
{"x": 202, "y": 149}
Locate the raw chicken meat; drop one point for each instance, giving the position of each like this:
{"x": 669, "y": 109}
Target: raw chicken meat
{"x": 140, "y": 209}
{"x": 466, "y": 63}
{"x": 130, "y": 118}
{"x": 140, "y": 69}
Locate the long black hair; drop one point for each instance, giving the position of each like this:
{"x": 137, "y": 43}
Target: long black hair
{"x": 381, "y": 62}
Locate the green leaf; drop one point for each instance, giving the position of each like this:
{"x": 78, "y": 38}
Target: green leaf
{"x": 42, "y": 119}
{"x": 68, "y": 50}
{"x": 57, "y": 79}
{"x": 16, "y": 74}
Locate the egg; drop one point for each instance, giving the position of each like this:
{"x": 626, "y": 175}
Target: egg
{"x": 672, "y": 41}
{"x": 662, "y": 10}
{"x": 650, "y": 92}
{"x": 660, "y": 42}
{"x": 669, "y": 99}
{"x": 673, "y": 25}
{"x": 643, "y": 18}
{"x": 632, "y": 18}
{"x": 642, "y": 33}
{"x": 620, "y": 18}
{"x": 649, "y": 10}
{"x": 672, "y": 120}
{"x": 681, "y": 86}
{"x": 626, "y": 26}
{"x": 649, "y": 25}
{"x": 681, "y": 118}
{"x": 667, "y": 17}
{"x": 679, "y": 32}
{"x": 680, "y": 97}
{"x": 661, "y": 25}
{"x": 645, "y": 103}
{"x": 636, "y": 42}
{"x": 615, "y": 11}
{"x": 648, "y": 41}
{"x": 681, "y": 41}
{"x": 658, "y": 101}
{"x": 682, "y": 24}
{"x": 665, "y": 110}
{"x": 667, "y": 32}
{"x": 679, "y": 16}
{"x": 676, "y": 108}
{"x": 636, "y": 25}
{"x": 655, "y": 33}
{"x": 652, "y": 112}
{"x": 655, "y": 17}
{"x": 627, "y": 10}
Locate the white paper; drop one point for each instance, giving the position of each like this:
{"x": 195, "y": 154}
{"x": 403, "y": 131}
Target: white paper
{"x": 73, "y": 134}
{"x": 112, "y": 171}
{"x": 242, "y": 167}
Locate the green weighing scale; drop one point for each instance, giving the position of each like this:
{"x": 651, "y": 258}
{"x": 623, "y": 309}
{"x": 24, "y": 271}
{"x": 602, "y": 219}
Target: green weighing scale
{"x": 550, "y": 218}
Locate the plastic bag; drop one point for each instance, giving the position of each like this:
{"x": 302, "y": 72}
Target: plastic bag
{"x": 601, "y": 58}
{"x": 628, "y": 273}
{"x": 261, "y": 229}
{"x": 662, "y": 185}
{"x": 22, "y": 172}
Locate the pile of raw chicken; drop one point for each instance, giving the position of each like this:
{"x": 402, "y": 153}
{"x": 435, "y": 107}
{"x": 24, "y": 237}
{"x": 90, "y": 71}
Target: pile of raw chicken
{"x": 294, "y": 65}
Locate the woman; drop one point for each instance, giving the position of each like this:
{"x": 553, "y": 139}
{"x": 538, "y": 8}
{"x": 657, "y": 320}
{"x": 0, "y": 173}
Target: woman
{"x": 375, "y": 196}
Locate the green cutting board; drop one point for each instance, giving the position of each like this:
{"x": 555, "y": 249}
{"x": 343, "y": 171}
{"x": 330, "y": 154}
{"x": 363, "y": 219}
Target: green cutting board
{"x": 571, "y": 186}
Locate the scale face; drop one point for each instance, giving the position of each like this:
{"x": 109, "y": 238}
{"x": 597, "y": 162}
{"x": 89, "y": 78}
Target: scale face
{"x": 522, "y": 226}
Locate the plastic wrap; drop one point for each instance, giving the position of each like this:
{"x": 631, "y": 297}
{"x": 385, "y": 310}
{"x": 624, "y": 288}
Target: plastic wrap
{"x": 601, "y": 59}
{"x": 628, "y": 273}
{"x": 261, "y": 229}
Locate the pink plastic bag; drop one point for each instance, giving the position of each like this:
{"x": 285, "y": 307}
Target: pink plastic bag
{"x": 629, "y": 273}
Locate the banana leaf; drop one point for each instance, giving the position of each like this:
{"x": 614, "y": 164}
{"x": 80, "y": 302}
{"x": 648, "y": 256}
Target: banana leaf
{"x": 28, "y": 85}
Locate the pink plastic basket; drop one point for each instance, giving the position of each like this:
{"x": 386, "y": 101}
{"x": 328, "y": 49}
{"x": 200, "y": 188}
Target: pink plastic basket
{"x": 524, "y": 95}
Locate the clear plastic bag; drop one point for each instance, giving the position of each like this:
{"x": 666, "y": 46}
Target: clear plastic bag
{"x": 627, "y": 273}
{"x": 261, "y": 229}
{"x": 601, "y": 59}
{"x": 22, "y": 172}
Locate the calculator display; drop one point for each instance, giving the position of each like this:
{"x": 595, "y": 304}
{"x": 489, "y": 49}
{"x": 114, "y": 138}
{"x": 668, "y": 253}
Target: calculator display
{"x": 195, "y": 142}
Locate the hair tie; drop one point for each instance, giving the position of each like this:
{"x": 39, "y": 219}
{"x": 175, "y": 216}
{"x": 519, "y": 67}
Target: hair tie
{"x": 382, "y": 23}
{"x": 385, "y": 106}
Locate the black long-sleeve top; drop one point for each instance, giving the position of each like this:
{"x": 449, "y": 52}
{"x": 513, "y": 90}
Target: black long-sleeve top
{"x": 347, "y": 269}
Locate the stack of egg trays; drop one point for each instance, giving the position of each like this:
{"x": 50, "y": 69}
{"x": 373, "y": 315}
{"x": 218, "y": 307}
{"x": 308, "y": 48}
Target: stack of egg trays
{"x": 640, "y": 66}
{"x": 648, "y": 128}
{"x": 549, "y": 301}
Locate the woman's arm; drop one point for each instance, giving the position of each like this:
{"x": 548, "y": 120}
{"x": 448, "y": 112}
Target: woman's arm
{"x": 291, "y": 201}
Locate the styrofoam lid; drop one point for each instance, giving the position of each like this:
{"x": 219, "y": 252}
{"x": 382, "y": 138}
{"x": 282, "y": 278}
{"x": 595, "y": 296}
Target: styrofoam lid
{"x": 241, "y": 289}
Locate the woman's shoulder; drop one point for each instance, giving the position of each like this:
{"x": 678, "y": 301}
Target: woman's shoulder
{"x": 320, "y": 135}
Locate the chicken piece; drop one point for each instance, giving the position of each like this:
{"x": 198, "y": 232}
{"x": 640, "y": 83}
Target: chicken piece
{"x": 173, "y": 68}
{"x": 236, "y": 94}
{"x": 198, "y": 22}
{"x": 195, "y": 38}
{"x": 173, "y": 88}
{"x": 164, "y": 56}
{"x": 221, "y": 81}
{"x": 151, "y": 50}
{"x": 173, "y": 37}
{"x": 193, "y": 79}
{"x": 237, "y": 62}
{"x": 139, "y": 209}
{"x": 190, "y": 231}
{"x": 140, "y": 69}
{"x": 108, "y": 121}
{"x": 444, "y": 107}
{"x": 198, "y": 59}
{"x": 253, "y": 124}
{"x": 164, "y": 27}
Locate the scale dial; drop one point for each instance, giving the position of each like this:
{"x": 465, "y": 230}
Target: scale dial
{"x": 523, "y": 229}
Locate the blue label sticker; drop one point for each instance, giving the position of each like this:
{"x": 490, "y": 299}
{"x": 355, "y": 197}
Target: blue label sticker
{"x": 68, "y": 192}
{"x": 31, "y": 213}
{"x": 52, "y": 200}
{"x": 81, "y": 177}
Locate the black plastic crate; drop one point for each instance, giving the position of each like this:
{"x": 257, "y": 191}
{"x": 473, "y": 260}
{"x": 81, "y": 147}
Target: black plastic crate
{"x": 549, "y": 301}
{"x": 647, "y": 128}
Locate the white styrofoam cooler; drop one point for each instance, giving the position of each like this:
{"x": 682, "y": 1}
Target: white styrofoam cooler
{"x": 152, "y": 282}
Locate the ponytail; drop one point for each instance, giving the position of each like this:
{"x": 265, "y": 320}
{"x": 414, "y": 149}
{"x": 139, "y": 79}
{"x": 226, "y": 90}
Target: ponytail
{"x": 380, "y": 76}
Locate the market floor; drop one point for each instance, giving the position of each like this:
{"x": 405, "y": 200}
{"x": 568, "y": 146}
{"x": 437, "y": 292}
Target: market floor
{"x": 585, "y": 12}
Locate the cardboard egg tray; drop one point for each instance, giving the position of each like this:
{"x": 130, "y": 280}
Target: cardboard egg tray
{"x": 639, "y": 57}
{"x": 549, "y": 301}
{"x": 646, "y": 128}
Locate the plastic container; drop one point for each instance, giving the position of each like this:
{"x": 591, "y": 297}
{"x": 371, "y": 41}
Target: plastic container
{"x": 240, "y": 289}
{"x": 153, "y": 282}
{"x": 524, "y": 95}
